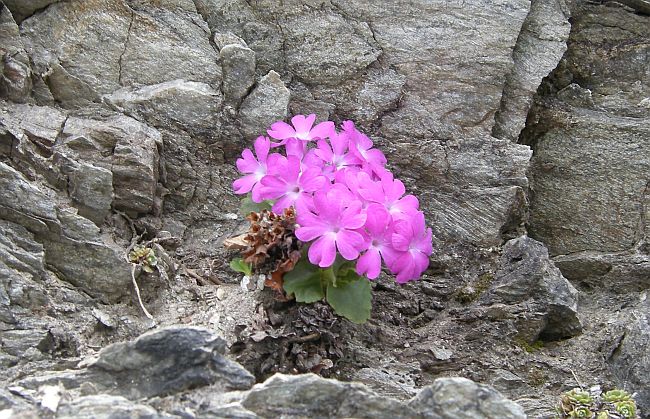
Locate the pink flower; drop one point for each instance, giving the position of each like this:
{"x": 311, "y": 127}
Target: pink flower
{"x": 379, "y": 231}
{"x": 332, "y": 225}
{"x": 257, "y": 168}
{"x": 336, "y": 156}
{"x": 361, "y": 147}
{"x": 413, "y": 245}
{"x": 290, "y": 186}
{"x": 301, "y": 129}
{"x": 389, "y": 192}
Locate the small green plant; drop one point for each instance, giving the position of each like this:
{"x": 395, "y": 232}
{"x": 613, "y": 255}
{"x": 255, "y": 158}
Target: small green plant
{"x": 145, "y": 257}
{"x": 613, "y": 404}
{"x": 529, "y": 347}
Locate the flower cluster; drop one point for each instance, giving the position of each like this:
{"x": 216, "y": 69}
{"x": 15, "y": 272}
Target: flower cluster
{"x": 345, "y": 199}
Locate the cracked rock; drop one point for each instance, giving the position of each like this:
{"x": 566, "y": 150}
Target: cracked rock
{"x": 267, "y": 103}
{"x": 238, "y": 64}
{"x": 533, "y": 288}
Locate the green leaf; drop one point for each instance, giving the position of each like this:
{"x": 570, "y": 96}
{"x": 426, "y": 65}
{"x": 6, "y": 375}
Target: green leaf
{"x": 247, "y": 206}
{"x": 304, "y": 281}
{"x": 238, "y": 265}
{"x": 351, "y": 298}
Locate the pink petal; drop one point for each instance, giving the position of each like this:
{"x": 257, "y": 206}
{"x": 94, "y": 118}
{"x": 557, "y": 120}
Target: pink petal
{"x": 406, "y": 205}
{"x": 311, "y": 180}
{"x": 323, "y": 251}
{"x": 245, "y": 184}
{"x": 349, "y": 243}
{"x": 323, "y": 130}
{"x": 281, "y": 130}
{"x": 324, "y": 151}
{"x": 256, "y": 195}
{"x": 262, "y": 146}
{"x": 283, "y": 202}
{"x": 309, "y": 233}
{"x": 393, "y": 189}
{"x": 377, "y": 219}
{"x": 248, "y": 163}
{"x": 302, "y": 125}
{"x": 369, "y": 264}
{"x": 352, "y": 217}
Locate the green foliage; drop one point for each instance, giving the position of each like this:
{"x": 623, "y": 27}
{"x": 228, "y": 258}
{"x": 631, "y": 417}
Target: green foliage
{"x": 616, "y": 395}
{"x": 578, "y": 403}
{"x": 247, "y": 206}
{"x": 626, "y": 408}
{"x": 472, "y": 292}
{"x": 144, "y": 257}
{"x": 304, "y": 282}
{"x": 346, "y": 292}
{"x": 529, "y": 347}
{"x": 238, "y": 265}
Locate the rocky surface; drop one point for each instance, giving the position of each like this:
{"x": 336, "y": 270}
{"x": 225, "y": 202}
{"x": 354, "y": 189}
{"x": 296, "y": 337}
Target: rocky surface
{"x": 521, "y": 126}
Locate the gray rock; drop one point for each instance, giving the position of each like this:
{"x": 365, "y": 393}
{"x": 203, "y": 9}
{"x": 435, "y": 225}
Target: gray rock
{"x": 19, "y": 342}
{"x": 87, "y": 42}
{"x": 325, "y": 48}
{"x": 539, "y": 48}
{"x": 73, "y": 246}
{"x": 479, "y": 187}
{"x": 67, "y": 89}
{"x": 15, "y": 71}
{"x": 23, "y": 203}
{"x": 177, "y": 104}
{"x": 618, "y": 272}
{"x": 309, "y": 395}
{"x": 76, "y": 251}
{"x": 167, "y": 361}
{"x": 91, "y": 188}
{"x": 40, "y": 124}
{"x": 164, "y": 45}
{"x": 630, "y": 361}
{"x": 460, "y": 398}
{"x": 527, "y": 281}
{"x": 19, "y": 251}
{"x": 238, "y": 64}
{"x": 446, "y": 93}
{"x": 589, "y": 133}
{"x": 591, "y": 197}
{"x": 22, "y": 10}
{"x": 103, "y": 406}
{"x": 126, "y": 147}
{"x": 267, "y": 103}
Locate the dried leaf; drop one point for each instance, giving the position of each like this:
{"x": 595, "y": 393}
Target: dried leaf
{"x": 236, "y": 243}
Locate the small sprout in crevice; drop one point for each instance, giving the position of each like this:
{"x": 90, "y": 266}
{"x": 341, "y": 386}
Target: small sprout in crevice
{"x": 145, "y": 257}
{"x": 529, "y": 347}
{"x": 473, "y": 291}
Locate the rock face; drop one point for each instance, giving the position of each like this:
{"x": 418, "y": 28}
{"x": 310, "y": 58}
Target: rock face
{"x": 631, "y": 360}
{"x": 589, "y": 173}
{"x": 534, "y": 292}
{"x": 519, "y": 129}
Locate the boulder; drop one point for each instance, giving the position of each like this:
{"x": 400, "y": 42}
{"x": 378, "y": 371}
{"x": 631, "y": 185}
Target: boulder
{"x": 543, "y": 303}
{"x": 460, "y": 398}
{"x": 103, "y": 406}
{"x": 309, "y": 395}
